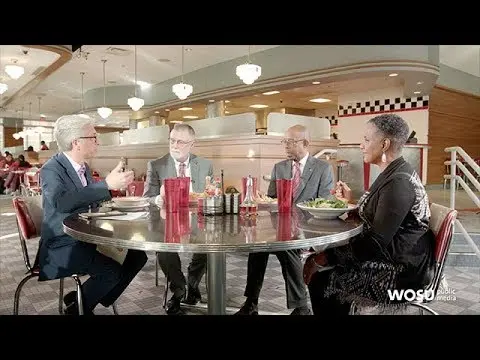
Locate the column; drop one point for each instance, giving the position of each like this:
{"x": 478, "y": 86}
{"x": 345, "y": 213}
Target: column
{"x": 132, "y": 124}
{"x": 216, "y": 109}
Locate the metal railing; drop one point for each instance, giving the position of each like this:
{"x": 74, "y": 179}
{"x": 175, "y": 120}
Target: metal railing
{"x": 453, "y": 177}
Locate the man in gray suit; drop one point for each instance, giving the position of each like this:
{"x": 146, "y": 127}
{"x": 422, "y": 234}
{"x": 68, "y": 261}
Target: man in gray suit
{"x": 312, "y": 178}
{"x": 179, "y": 162}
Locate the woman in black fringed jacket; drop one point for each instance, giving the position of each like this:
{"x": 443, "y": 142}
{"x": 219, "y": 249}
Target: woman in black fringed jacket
{"x": 396, "y": 247}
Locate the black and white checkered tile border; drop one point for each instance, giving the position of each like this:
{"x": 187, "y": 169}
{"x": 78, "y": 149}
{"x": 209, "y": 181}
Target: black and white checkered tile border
{"x": 386, "y": 105}
{"x": 333, "y": 119}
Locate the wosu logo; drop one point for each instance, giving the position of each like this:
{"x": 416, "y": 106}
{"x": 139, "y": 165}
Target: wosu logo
{"x": 411, "y": 295}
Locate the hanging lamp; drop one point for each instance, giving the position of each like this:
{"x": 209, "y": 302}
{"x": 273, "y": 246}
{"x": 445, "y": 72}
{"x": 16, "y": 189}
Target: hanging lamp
{"x": 104, "y": 111}
{"x": 181, "y": 89}
{"x": 134, "y": 102}
{"x": 248, "y": 72}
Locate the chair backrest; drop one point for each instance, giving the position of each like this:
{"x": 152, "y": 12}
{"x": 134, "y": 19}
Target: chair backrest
{"x": 28, "y": 226}
{"x": 441, "y": 223}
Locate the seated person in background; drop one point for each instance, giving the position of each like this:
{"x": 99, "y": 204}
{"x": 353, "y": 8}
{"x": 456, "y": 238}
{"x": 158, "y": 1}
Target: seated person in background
{"x": 43, "y": 146}
{"x": 7, "y": 161}
{"x": 179, "y": 162}
{"x": 312, "y": 178}
{"x": 13, "y": 179}
{"x": 4, "y": 166}
{"x": 68, "y": 188}
{"x": 395, "y": 249}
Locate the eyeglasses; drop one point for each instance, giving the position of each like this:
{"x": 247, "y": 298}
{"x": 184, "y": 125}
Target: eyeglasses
{"x": 291, "y": 142}
{"x": 89, "y": 137}
{"x": 180, "y": 143}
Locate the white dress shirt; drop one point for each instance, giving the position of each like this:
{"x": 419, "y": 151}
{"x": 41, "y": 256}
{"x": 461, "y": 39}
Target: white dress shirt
{"x": 302, "y": 163}
{"x": 188, "y": 173}
{"x": 77, "y": 167}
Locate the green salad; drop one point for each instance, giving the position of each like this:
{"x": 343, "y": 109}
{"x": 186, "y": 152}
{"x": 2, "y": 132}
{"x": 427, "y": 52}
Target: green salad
{"x": 323, "y": 203}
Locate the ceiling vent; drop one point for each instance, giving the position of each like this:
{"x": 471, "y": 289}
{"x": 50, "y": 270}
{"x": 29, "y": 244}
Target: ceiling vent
{"x": 118, "y": 51}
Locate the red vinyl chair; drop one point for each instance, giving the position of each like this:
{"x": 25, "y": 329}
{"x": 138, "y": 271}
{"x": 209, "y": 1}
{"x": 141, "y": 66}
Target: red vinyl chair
{"x": 29, "y": 232}
{"x": 441, "y": 222}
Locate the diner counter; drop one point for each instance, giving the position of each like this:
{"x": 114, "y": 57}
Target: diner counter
{"x": 238, "y": 156}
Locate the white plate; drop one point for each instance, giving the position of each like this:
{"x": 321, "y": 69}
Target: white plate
{"x": 327, "y": 213}
{"x": 130, "y": 201}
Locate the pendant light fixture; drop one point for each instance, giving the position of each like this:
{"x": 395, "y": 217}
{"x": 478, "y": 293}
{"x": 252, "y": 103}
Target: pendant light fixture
{"x": 181, "y": 89}
{"x": 16, "y": 135}
{"x": 14, "y": 71}
{"x": 82, "y": 113}
{"x": 134, "y": 102}
{"x": 104, "y": 111}
{"x": 249, "y": 72}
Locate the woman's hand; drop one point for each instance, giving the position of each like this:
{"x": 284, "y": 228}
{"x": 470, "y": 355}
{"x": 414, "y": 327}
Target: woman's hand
{"x": 342, "y": 192}
{"x": 311, "y": 265}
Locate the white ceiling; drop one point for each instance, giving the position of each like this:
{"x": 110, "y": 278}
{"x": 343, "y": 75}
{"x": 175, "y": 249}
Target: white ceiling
{"x": 33, "y": 60}
{"x": 462, "y": 57}
{"x": 61, "y": 91}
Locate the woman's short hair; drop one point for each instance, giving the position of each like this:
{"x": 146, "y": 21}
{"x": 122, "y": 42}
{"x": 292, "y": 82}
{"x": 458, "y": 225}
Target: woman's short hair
{"x": 393, "y": 127}
{"x": 68, "y": 128}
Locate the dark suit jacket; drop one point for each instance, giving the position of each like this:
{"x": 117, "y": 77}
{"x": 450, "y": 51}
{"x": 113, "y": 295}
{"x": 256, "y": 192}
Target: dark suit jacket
{"x": 164, "y": 168}
{"x": 64, "y": 194}
{"x": 316, "y": 180}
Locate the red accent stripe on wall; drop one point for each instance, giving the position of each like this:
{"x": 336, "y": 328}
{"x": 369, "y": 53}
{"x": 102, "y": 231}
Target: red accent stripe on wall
{"x": 385, "y": 111}
{"x": 366, "y": 176}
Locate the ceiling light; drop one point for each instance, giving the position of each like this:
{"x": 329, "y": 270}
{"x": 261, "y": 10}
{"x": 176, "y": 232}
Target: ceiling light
{"x": 182, "y": 90}
{"x": 16, "y": 136}
{"x": 320, "y": 100}
{"x": 157, "y": 112}
{"x": 163, "y": 60}
{"x": 315, "y": 82}
{"x": 167, "y": 109}
{"x": 417, "y": 92}
{"x": 227, "y": 101}
{"x": 248, "y": 73}
{"x": 258, "y": 106}
{"x": 190, "y": 117}
{"x": 419, "y": 82}
{"x": 211, "y": 101}
{"x": 104, "y": 112}
{"x": 392, "y": 74}
{"x": 14, "y": 71}
{"x": 136, "y": 103}
{"x": 271, "y": 92}
{"x": 3, "y": 88}
{"x": 185, "y": 108}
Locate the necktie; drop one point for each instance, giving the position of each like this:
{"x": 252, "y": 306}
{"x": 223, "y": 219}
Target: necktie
{"x": 296, "y": 178}
{"x": 81, "y": 174}
{"x": 181, "y": 170}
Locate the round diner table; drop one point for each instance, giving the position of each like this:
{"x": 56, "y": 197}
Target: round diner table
{"x": 187, "y": 231}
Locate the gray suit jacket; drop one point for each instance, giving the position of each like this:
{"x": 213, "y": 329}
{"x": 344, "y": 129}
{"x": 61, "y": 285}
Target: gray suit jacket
{"x": 316, "y": 180}
{"x": 164, "y": 168}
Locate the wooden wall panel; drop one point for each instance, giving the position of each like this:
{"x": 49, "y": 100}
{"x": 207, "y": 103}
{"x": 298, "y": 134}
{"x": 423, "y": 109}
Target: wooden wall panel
{"x": 8, "y": 140}
{"x": 454, "y": 120}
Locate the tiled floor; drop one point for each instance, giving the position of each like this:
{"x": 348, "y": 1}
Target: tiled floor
{"x": 143, "y": 297}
